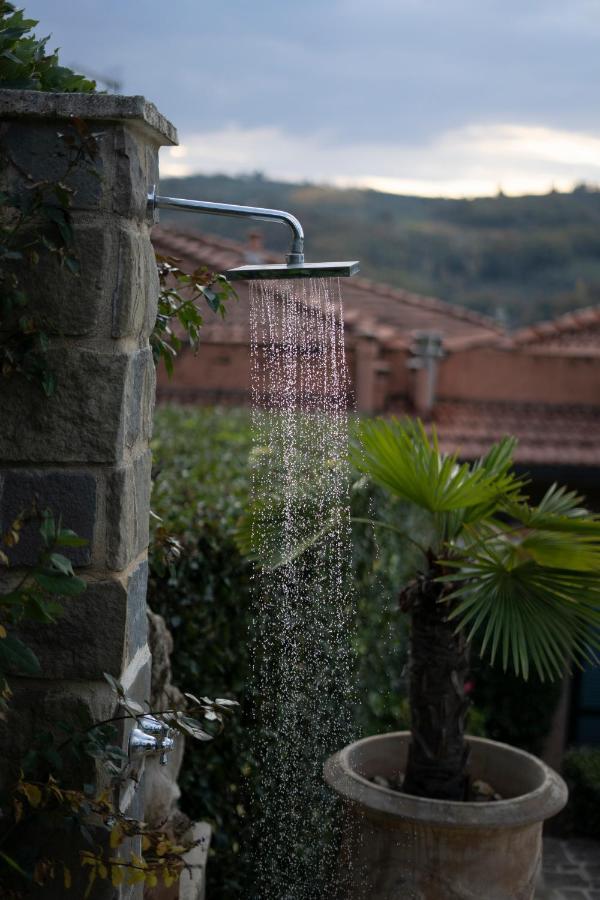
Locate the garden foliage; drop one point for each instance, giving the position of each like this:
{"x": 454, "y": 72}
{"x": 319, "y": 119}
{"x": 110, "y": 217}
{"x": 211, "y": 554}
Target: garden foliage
{"x": 202, "y": 584}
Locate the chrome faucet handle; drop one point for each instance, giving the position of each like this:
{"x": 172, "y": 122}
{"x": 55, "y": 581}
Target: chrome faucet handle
{"x": 149, "y": 736}
{"x": 151, "y": 725}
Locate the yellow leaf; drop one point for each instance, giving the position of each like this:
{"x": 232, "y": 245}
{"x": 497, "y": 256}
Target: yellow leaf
{"x": 33, "y": 794}
{"x": 162, "y": 847}
{"x": 117, "y": 875}
{"x": 116, "y": 836}
{"x": 151, "y": 879}
{"x": 138, "y": 861}
{"x": 169, "y": 877}
{"x": 90, "y": 884}
{"x": 4, "y": 558}
{"x": 146, "y": 842}
{"x": 102, "y": 870}
{"x": 67, "y": 877}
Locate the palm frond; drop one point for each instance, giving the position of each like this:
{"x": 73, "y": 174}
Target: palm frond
{"x": 526, "y": 605}
{"x": 400, "y": 456}
{"x": 559, "y": 510}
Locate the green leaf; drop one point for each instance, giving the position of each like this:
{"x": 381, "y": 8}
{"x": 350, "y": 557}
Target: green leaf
{"x": 400, "y": 456}
{"x": 61, "y": 563}
{"x": 193, "y": 728}
{"x": 67, "y": 585}
{"x": 115, "y": 684}
{"x": 131, "y": 705}
{"x": 15, "y": 865}
{"x": 73, "y": 264}
{"x": 68, "y": 538}
{"x": 16, "y": 656}
{"x": 48, "y": 383}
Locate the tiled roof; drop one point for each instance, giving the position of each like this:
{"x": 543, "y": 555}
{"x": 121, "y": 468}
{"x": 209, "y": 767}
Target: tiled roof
{"x": 575, "y": 333}
{"x": 388, "y": 313}
{"x": 548, "y": 434}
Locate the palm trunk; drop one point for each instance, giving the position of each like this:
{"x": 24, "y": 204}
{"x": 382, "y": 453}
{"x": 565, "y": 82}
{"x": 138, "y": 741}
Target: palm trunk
{"x": 438, "y": 668}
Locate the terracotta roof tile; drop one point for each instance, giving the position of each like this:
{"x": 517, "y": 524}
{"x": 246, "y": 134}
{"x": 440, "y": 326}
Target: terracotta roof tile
{"x": 577, "y": 332}
{"x": 547, "y": 434}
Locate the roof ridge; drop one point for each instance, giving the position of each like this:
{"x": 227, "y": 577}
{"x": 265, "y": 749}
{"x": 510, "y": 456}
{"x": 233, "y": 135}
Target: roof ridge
{"x": 427, "y": 302}
{"x": 574, "y": 320}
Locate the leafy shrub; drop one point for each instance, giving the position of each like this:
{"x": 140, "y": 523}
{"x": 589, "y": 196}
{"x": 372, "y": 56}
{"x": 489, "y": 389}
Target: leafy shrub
{"x": 25, "y": 63}
{"x": 581, "y": 769}
{"x": 200, "y": 488}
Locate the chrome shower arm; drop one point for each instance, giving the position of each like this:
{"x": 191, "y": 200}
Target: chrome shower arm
{"x": 296, "y": 253}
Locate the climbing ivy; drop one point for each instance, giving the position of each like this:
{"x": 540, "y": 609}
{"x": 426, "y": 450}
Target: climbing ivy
{"x": 179, "y": 318}
{"x": 26, "y": 64}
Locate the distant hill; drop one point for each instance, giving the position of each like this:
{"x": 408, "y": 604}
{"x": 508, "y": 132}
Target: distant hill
{"x": 521, "y": 259}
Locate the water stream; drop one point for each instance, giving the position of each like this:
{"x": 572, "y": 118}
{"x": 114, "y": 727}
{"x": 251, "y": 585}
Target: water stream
{"x": 303, "y": 668}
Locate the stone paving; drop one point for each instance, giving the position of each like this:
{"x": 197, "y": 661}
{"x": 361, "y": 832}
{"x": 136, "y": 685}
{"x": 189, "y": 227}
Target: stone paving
{"x": 571, "y": 870}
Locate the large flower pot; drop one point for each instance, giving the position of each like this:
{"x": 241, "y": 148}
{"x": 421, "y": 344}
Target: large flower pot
{"x": 399, "y": 846}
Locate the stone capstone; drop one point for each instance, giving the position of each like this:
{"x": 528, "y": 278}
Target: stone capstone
{"x": 142, "y": 114}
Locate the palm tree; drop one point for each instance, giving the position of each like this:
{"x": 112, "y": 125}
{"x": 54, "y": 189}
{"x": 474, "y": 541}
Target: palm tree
{"x": 520, "y": 580}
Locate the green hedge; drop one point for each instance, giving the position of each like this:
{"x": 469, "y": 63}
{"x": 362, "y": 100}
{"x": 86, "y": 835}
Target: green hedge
{"x": 200, "y": 490}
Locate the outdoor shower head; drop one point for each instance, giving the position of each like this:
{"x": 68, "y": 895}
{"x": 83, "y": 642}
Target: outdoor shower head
{"x": 306, "y": 270}
{"x": 295, "y": 266}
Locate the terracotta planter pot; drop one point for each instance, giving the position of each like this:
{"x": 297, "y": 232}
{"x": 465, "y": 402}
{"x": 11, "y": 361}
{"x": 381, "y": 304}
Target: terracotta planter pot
{"x": 398, "y": 846}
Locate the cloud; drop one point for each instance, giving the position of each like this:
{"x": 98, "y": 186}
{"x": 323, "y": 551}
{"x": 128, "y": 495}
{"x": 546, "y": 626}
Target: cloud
{"x": 356, "y": 89}
{"x": 472, "y": 161}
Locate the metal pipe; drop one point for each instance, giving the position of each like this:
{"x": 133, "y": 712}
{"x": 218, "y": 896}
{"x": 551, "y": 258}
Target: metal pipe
{"x": 295, "y": 257}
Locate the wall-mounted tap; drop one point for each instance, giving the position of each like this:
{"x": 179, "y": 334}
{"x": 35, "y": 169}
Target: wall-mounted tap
{"x": 151, "y": 736}
{"x": 295, "y": 266}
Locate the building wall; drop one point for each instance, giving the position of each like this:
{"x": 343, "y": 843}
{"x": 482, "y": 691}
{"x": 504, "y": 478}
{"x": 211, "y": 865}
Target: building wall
{"x": 492, "y": 374}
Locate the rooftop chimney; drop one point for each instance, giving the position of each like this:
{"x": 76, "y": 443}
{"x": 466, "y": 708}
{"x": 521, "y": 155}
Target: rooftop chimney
{"x": 254, "y": 250}
{"x": 426, "y": 352}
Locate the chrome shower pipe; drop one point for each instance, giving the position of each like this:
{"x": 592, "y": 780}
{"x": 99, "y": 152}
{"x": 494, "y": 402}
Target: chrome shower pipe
{"x": 295, "y": 256}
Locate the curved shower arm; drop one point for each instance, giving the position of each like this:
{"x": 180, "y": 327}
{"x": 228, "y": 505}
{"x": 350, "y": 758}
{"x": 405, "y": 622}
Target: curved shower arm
{"x": 296, "y": 254}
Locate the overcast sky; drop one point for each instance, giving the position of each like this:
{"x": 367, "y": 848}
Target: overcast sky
{"x": 436, "y": 97}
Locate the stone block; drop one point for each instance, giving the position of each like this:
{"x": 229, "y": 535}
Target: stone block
{"x": 100, "y": 630}
{"x": 103, "y": 402}
{"x": 135, "y": 294}
{"x": 135, "y": 173}
{"x": 67, "y": 303}
{"x": 140, "y": 397}
{"x": 34, "y": 152}
{"x": 68, "y": 494}
{"x": 127, "y": 512}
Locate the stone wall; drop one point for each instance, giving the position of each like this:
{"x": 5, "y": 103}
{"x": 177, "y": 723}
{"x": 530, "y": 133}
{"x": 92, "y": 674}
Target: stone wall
{"x": 83, "y": 452}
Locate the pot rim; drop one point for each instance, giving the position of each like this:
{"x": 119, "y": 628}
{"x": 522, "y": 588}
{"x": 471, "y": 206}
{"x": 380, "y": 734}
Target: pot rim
{"x": 541, "y": 803}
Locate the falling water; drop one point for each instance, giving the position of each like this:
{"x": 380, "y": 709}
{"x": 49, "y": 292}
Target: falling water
{"x": 302, "y": 660}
